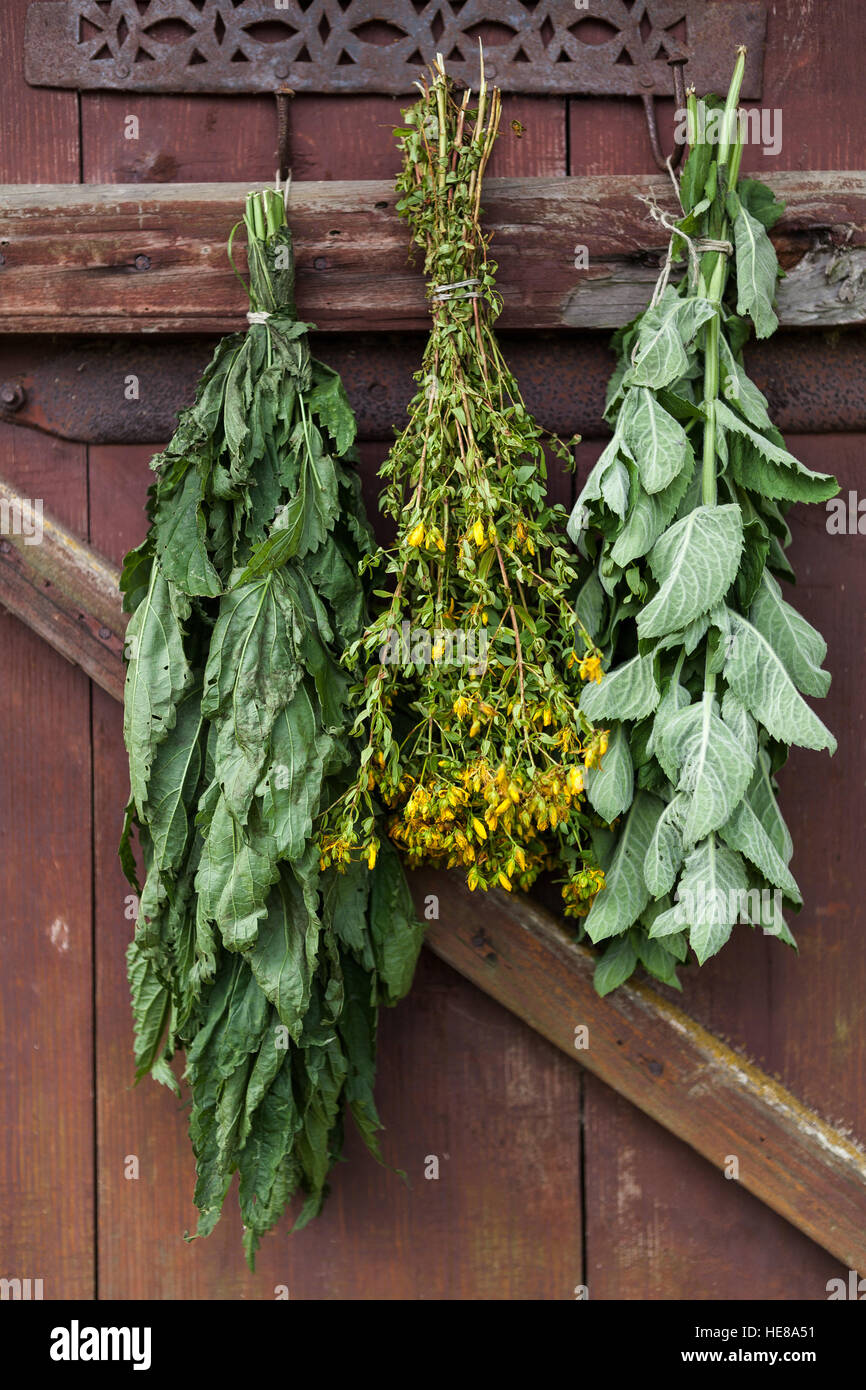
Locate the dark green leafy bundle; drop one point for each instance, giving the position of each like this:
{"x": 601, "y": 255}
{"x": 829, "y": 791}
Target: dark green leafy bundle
{"x": 683, "y": 519}
{"x": 265, "y": 969}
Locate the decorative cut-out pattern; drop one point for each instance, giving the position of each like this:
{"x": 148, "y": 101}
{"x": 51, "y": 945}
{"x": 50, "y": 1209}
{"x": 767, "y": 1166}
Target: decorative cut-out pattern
{"x": 606, "y": 47}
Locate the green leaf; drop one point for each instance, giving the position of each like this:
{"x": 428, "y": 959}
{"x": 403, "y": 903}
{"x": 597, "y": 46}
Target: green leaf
{"x": 157, "y": 675}
{"x": 740, "y": 390}
{"x": 649, "y": 515}
{"x": 695, "y": 562}
{"x": 758, "y": 676}
{"x": 328, "y": 401}
{"x": 664, "y": 854}
{"x": 658, "y": 443}
{"x": 291, "y": 788}
{"x": 710, "y": 895}
{"x": 664, "y": 339}
{"x": 768, "y": 469}
{"x": 173, "y": 784}
{"x": 629, "y": 692}
{"x": 252, "y": 667}
{"x": 657, "y": 959}
{"x": 181, "y": 540}
{"x": 151, "y": 1003}
{"x": 800, "y": 646}
{"x": 625, "y": 894}
{"x": 714, "y": 768}
{"x": 284, "y": 955}
{"x": 761, "y": 202}
{"x": 610, "y": 788}
{"x": 616, "y": 964}
{"x": 395, "y": 932}
{"x": 234, "y": 878}
{"x": 745, "y": 833}
{"x": 762, "y": 799}
{"x": 757, "y": 269}
{"x": 590, "y": 605}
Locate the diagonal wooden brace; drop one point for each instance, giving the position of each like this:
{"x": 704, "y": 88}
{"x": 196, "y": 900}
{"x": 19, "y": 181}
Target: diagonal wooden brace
{"x": 644, "y": 1047}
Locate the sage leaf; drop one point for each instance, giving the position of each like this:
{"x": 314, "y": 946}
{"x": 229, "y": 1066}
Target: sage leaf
{"x": 757, "y": 269}
{"x": 695, "y": 562}
{"x": 626, "y": 893}
{"x": 611, "y": 787}
{"x": 758, "y": 675}
{"x": 629, "y": 692}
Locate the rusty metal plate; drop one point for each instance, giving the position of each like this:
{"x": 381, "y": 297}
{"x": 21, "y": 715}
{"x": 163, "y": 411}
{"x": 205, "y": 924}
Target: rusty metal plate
{"x": 130, "y": 392}
{"x": 574, "y": 47}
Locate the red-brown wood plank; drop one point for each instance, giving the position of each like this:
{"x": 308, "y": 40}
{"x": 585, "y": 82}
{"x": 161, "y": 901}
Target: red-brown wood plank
{"x": 46, "y": 1043}
{"x": 46, "y": 1017}
{"x": 116, "y": 258}
{"x": 38, "y": 127}
{"x": 192, "y": 139}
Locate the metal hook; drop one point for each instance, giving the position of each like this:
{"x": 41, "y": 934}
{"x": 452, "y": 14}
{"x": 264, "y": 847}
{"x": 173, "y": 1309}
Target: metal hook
{"x": 283, "y": 96}
{"x": 677, "y": 62}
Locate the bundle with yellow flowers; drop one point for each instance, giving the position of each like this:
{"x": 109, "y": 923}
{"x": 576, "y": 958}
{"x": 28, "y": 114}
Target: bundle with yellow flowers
{"x": 472, "y": 671}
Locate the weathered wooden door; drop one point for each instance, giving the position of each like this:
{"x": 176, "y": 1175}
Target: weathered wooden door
{"x": 547, "y": 1180}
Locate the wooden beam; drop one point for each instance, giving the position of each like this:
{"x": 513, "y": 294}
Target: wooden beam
{"x": 151, "y": 258}
{"x": 661, "y": 1060}
{"x": 61, "y": 588}
{"x": 645, "y": 1048}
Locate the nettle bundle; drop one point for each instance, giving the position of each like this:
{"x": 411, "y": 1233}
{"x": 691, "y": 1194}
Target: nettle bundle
{"x": 470, "y": 713}
{"x": 265, "y": 969}
{"x": 684, "y": 519}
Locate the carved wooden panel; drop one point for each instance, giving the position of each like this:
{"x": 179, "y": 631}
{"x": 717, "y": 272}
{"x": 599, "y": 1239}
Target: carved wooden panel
{"x": 607, "y": 47}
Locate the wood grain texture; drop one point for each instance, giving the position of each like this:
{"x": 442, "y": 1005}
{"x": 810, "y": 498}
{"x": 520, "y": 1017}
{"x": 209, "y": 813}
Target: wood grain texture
{"x": 126, "y": 258}
{"x": 46, "y": 1020}
{"x": 38, "y": 127}
{"x": 62, "y": 589}
{"x": 660, "y": 1060}
{"x": 196, "y": 138}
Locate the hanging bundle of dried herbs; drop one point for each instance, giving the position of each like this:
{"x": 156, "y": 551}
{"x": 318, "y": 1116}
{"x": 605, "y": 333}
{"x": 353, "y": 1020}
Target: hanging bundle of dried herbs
{"x": 469, "y": 718}
{"x": 684, "y": 519}
{"x": 265, "y": 969}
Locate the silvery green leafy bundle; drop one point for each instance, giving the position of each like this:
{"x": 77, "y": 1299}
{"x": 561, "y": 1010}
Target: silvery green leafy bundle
{"x": 683, "y": 520}
{"x": 266, "y": 970}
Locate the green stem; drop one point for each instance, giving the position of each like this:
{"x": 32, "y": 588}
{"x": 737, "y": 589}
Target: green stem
{"x": 714, "y": 292}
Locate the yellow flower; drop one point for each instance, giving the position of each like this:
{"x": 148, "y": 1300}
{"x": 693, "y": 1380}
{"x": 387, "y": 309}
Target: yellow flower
{"x": 416, "y": 535}
{"x": 478, "y": 534}
{"x": 479, "y": 828}
{"x": 371, "y": 854}
{"x": 474, "y": 728}
{"x": 505, "y": 881}
{"x": 590, "y": 669}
